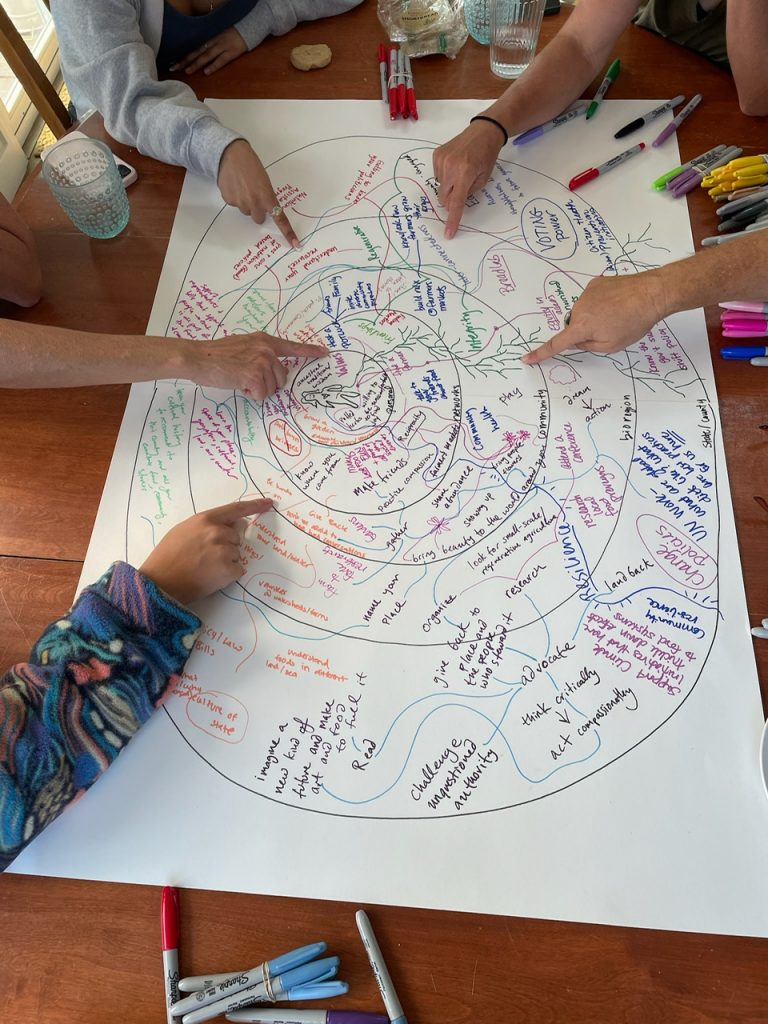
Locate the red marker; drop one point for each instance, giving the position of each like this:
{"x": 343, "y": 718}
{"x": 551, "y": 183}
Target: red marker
{"x": 383, "y": 70}
{"x": 409, "y": 86}
{"x": 402, "y": 99}
{"x": 392, "y": 82}
{"x": 169, "y": 928}
{"x": 595, "y": 172}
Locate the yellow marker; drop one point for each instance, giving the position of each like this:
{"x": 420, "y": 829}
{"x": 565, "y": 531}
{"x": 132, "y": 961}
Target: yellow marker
{"x": 738, "y": 185}
{"x": 739, "y": 166}
{"x": 745, "y": 161}
{"x": 722, "y": 186}
{"x": 751, "y": 171}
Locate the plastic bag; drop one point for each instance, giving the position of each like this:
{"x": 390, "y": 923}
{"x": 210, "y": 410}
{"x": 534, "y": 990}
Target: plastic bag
{"x": 424, "y": 26}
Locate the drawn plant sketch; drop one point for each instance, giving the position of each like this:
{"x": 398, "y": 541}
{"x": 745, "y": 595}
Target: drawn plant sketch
{"x": 482, "y": 582}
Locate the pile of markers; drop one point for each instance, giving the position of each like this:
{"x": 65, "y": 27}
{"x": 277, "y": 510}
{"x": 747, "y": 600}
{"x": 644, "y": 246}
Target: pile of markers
{"x": 688, "y": 176}
{"x": 298, "y": 975}
{"x": 745, "y": 320}
{"x": 744, "y": 212}
{"x": 397, "y": 82}
{"x": 747, "y": 172}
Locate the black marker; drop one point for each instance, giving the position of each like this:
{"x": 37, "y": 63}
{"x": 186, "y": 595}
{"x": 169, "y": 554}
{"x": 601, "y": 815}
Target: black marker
{"x": 650, "y": 116}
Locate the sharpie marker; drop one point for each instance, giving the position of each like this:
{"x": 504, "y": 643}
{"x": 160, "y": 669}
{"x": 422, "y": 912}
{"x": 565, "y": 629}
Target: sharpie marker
{"x": 568, "y": 115}
{"x": 196, "y": 983}
{"x": 234, "y": 983}
{"x": 387, "y": 989}
{"x": 285, "y": 986}
{"x": 745, "y": 352}
{"x": 746, "y": 307}
{"x": 169, "y": 928}
{"x": 650, "y": 116}
{"x": 610, "y": 76}
{"x": 759, "y": 325}
{"x": 760, "y": 361}
{"x": 609, "y": 165}
{"x": 692, "y": 178}
{"x": 661, "y": 182}
{"x": 321, "y": 990}
{"x": 729, "y": 316}
{"x": 257, "y": 1016}
{"x": 734, "y": 206}
{"x": 383, "y": 71}
{"x": 675, "y": 123}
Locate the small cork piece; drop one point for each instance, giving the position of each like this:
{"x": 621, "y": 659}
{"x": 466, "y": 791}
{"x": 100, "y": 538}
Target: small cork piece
{"x": 305, "y": 58}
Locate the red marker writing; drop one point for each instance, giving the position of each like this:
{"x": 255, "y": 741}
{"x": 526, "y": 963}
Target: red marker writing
{"x": 169, "y": 929}
{"x": 595, "y": 172}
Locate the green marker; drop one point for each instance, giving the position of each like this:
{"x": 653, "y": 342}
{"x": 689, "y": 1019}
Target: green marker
{"x": 661, "y": 182}
{"x": 610, "y": 76}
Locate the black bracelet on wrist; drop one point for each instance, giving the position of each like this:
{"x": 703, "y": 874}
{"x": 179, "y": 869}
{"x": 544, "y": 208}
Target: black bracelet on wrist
{"x": 492, "y": 120}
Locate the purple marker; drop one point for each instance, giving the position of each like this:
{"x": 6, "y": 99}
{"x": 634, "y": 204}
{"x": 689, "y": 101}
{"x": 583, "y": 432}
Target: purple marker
{"x": 533, "y": 133}
{"x": 693, "y": 177}
{"x": 675, "y": 123}
{"x": 288, "y": 1016}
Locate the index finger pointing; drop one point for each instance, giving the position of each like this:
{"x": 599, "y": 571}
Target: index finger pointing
{"x": 454, "y": 201}
{"x": 284, "y": 347}
{"x": 229, "y": 514}
{"x": 571, "y": 337}
{"x": 280, "y": 217}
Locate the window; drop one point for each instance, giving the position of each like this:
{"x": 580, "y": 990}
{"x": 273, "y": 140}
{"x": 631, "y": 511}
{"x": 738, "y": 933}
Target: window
{"x": 19, "y": 121}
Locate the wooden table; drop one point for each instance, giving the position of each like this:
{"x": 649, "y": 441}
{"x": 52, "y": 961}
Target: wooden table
{"x": 84, "y": 952}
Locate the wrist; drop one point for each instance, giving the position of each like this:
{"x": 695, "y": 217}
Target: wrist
{"x": 493, "y": 124}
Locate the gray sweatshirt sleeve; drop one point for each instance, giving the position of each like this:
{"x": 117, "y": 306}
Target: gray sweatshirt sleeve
{"x": 276, "y": 17}
{"x": 108, "y": 65}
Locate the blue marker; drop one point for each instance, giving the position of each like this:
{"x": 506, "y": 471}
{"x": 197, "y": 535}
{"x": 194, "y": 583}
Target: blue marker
{"x": 236, "y": 982}
{"x": 268, "y": 990}
{"x": 318, "y": 990}
{"x": 746, "y": 352}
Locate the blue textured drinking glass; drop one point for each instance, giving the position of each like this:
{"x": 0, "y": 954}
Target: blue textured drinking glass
{"x": 477, "y": 14}
{"x": 83, "y": 176}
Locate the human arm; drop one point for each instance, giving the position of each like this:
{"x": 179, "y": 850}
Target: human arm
{"x": 20, "y": 278}
{"x": 614, "y": 312}
{"x": 97, "y": 674}
{"x": 268, "y": 17}
{"x": 558, "y": 75}
{"x": 747, "y": 38}
{"x": 35, "y": 356}
{"x": 109, "y": 65}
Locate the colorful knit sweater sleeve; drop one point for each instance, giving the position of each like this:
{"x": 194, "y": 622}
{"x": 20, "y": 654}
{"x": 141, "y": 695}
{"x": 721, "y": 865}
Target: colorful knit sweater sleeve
{"x": 93, "y": 678}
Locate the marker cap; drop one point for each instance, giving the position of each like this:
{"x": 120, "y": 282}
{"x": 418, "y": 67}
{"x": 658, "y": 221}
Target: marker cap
{"x": 583, "y": 178}
{"x": 169, "y": 917}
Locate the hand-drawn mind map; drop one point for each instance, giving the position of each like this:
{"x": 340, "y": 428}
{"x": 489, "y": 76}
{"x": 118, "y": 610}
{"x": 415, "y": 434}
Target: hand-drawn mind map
{"x": 482, "y": 582}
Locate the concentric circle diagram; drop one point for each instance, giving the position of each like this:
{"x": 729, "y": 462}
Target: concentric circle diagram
{"x": 481, "y": 582}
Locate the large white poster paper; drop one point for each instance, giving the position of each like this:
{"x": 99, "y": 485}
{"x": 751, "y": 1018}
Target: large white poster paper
{"x": 491, "y": 650}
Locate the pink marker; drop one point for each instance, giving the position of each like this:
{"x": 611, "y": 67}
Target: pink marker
{"x": 729, "y": 315}
{"x": 169, "y": 927}
{"x": 595, "y": 172}
{"x": 746, "y": 307}
{"x": 731, "y": 331}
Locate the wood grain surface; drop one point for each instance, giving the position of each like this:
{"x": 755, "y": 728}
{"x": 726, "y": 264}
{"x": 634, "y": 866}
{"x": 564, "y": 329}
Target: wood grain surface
{"x": 85, "y": 952}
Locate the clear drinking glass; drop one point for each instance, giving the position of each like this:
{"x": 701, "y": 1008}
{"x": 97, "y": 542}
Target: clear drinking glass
{"x": 515, "y": 26}
{"x": 83, "y": 176}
